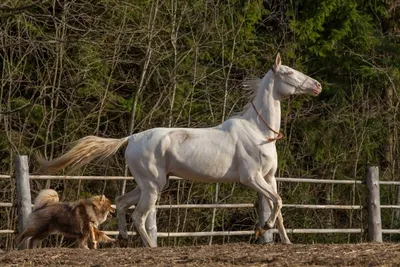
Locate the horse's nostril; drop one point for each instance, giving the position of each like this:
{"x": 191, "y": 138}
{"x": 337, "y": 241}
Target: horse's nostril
{"x": 318, "y": 84}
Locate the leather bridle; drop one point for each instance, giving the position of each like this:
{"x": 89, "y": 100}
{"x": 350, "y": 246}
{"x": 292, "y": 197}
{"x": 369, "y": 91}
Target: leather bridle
{"x": 297, "y": 87}
{"x": 280, "y": 135}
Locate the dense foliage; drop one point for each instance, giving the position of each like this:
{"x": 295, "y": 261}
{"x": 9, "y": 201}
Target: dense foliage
{"x": 111, "y": 68}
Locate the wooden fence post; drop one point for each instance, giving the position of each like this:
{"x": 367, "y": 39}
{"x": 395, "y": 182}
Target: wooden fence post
{"x": 374, "y": 205}
{"x": 263, "y": 214}
{"x": 21, "y": 170}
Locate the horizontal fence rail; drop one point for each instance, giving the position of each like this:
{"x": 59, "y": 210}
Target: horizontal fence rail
{"x": 233, "y": 233}
{"x": 234, "y": 206}
{"x": 118, "y": 178}
{"x": 244, "y": 205}
{"x": 236, "y": 233}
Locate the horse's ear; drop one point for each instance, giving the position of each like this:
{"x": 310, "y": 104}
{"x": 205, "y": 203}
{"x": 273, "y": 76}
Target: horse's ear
{"x": 277, "y": 61}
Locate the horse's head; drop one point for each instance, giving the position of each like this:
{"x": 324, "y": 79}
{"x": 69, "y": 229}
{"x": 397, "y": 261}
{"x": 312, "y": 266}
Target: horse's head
{"x": 290, "y": 81}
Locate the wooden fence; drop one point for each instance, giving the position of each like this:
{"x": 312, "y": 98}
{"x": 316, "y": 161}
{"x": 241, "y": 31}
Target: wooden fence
{"x": 375, "y": 230}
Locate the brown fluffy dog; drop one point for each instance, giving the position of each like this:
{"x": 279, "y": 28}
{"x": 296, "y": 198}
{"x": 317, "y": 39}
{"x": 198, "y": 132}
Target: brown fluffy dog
{"x": 78, "y": 220}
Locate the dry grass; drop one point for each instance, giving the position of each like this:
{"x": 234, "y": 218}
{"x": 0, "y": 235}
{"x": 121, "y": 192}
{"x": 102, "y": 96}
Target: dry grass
{"x": 238, "y": 254}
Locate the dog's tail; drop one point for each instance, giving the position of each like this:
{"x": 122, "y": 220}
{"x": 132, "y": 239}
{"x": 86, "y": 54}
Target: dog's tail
{"x": 45, "y": 196}
{"x": 86, "y": 150}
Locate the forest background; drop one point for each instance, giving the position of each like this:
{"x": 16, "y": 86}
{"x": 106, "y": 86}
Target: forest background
{"x": 110, "y": 68}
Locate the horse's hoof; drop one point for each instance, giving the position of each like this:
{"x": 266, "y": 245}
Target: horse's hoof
{"x": 259, "y": 231}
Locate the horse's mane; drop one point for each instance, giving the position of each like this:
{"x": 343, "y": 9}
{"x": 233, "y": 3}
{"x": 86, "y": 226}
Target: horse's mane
{"x": 251, "y": 87}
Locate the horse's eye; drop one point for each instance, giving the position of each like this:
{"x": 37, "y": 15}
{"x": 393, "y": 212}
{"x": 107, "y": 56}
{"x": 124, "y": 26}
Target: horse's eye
{"x": 289, "y": 73}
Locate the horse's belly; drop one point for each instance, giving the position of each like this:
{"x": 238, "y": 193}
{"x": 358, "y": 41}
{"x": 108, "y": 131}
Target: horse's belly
{"x": 207, "y": 156}
{"x": 206, "y": 177}
{"x": 205, "y": 169}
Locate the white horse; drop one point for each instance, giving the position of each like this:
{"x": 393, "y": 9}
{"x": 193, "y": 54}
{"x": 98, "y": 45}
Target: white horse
{"x": 241, "y": 149}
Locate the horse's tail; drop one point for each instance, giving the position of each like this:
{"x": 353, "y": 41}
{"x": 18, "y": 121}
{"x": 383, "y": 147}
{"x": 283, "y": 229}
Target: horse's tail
{"x": 86, "y": 150}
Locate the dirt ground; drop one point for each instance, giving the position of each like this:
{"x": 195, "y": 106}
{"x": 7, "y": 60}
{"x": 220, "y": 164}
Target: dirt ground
{"x": 238, "y": 254}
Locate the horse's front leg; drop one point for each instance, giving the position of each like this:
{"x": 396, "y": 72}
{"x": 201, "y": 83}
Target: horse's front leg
{"x": 256, "y": 181}
{"x": 270, "y": 179}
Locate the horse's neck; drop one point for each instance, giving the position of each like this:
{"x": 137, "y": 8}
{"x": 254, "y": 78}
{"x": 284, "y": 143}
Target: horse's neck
{"x": 267, "y": 103}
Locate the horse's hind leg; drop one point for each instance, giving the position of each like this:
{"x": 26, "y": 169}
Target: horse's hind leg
{"x": 123, "y": 203}
{"x": 151, "y": 221}
{"x": 148, "y": 199}
{"x": 151, "y": 225}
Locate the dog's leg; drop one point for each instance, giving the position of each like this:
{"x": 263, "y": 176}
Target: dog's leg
{"x": 37, "y": 238}
{"x": 83, "y": 242}
{"x": 22, "y": 243}
{"x": 28, "y": 243}
{"x": 31, "y": 237}
{"x": 34, "y": 242}
{"x": 102, "y": 237}
{"x": 24, "y": 239}
{"x": 93, "y": 236}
